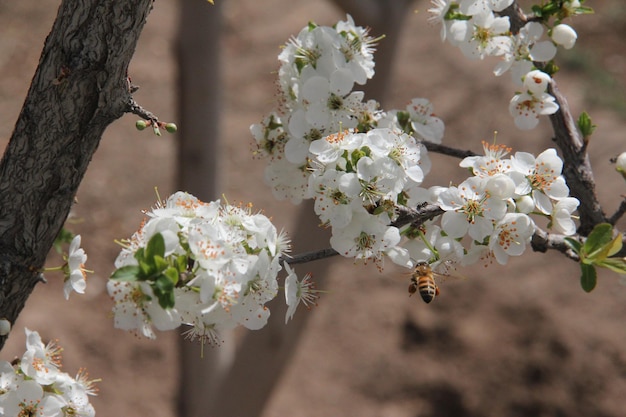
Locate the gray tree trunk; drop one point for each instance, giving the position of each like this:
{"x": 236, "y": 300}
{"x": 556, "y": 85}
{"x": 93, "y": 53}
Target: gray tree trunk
{"x": 199, "y": 104}
{"x": 79, "y": 88}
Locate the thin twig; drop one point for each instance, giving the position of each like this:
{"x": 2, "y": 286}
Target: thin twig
{"x": 619, "y": 213}
{"x": 418, "y": 216}
{"x": 135, "y": 108}
{"x": 447, "y": 150}
{"x": 542, "y": 241}
{"x": 310, "y": 256}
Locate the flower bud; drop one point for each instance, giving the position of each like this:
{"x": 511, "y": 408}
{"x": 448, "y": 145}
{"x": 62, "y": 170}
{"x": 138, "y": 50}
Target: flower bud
{"x": 500, "y": 186}
{"x": 620, "y": 164}
{"x": 5, "y": 327}
{"x": 525, "y": 204}
{"x": 171, "y": 128}
{"x": 536, "y": 82}
{"x": 564, "y": 35}
{"x": 141, "y": 124}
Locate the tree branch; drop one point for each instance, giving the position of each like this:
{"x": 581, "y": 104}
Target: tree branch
{"x": 447, "y": 150}
{"x": 541, "y": 240}
{"x": 576, "y": 166}
{"x": 79, "y": 88}
{"x": 619, "y": 212}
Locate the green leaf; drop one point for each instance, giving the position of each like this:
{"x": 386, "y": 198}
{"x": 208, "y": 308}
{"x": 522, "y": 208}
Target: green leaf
{"x": 609, "y": 249}
{"x": 614, "y": 264}
{"x": 588, "y": 278}
{"x": 573, "y": 244}
{"x": 63, "y": 238}
{"x": 598, "y": 239}
{"x": 172, "y": 274}
{"x": 146, "y": 270}
{"x": 163, "y": 288}
{"x": 181, "y": 263}
{"x": 155, "y": 247}
{"x": 139, "y": 254}
{"x": 616, "y": 245}
{"x": 126, "y": 273}
{"x": 160, "y": 263}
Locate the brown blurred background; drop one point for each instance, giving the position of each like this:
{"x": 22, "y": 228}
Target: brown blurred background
{"x": 520, "y": 340}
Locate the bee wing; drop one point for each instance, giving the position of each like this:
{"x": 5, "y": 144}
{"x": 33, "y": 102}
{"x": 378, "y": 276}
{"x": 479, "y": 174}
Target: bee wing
{"x": 446, "y": 269}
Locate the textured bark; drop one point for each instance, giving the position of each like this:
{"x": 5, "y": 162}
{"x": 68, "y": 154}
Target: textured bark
{"x": 576, "y": 165}
{"x": 79, "y": 88}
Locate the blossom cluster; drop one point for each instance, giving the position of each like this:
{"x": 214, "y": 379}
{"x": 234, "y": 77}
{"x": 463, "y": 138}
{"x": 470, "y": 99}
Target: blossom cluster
{"x": 357, "y": 180}
{"x": 325, "y": 143}
{"x": 363, "y": 165}
{"x": 34, "y": 385}
{"x": 205, "y": 265}
{"x": 319, "y": 68}
{"x": 493, "y": 207}
{"x": 479, "y": 30}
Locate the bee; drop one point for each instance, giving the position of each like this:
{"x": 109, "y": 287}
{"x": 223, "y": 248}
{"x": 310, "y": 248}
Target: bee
{"x": 423, "y": 280}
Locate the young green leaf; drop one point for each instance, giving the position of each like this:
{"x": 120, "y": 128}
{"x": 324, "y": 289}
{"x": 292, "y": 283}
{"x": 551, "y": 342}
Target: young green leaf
{"x": 614, "y": 264}
{"x": 172, "y": 274}
{"x": 573, "y": 244}
{"x": 597, "y": 241}
{"x": 163, "y": 288}
{"x": 609, "y": 249}
{"x": 585, "y": 125}
{"x": 588, "y": 278}
{"x": 126, "y": 273}
{"x": 155, "y": 246}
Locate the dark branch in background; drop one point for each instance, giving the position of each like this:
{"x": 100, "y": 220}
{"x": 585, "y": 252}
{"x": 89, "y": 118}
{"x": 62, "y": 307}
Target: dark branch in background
{"x": 447, "y": 150}
{"x": 310, "y": 256}
{"x": 619, "y": 213}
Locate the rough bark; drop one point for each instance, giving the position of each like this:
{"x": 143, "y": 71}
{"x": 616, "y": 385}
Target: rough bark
{"x": 79, "y": 88}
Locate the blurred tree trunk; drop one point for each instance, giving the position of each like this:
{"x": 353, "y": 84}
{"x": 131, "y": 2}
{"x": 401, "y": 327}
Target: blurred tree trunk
{"x": 234, "y": 381}
{"x": 79, "y": 88}
{"x": 383, "y": 17}
{"x": 199, "y": 104}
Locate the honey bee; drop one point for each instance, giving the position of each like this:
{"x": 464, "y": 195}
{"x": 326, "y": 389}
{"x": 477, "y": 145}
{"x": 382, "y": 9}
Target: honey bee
{"x": 423, "y": 280}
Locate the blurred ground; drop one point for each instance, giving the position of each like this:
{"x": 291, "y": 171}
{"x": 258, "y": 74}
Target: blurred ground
{"x": 517, "y": 341}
